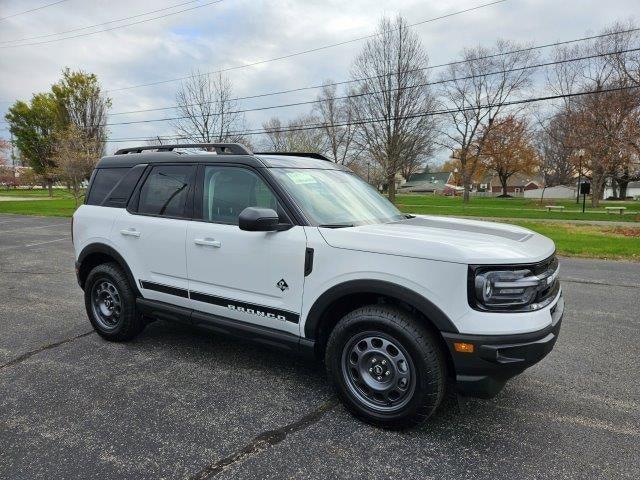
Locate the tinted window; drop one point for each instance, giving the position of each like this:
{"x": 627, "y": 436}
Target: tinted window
{"x": 228, "y": 190}
{"x": 104, "y": 180}
{"x": 165, "y": 191}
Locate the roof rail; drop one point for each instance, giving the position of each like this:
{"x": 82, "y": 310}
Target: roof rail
{"x": 220, "y": 148}
{"x": 317, "y": 156}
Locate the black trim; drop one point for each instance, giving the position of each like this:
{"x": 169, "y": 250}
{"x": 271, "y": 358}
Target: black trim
{"x": 158, "y": 287}
{"x": 308, "y": 261}
{"x": 337, "y": 292}
{"x": 248, "y": 308}
{"x": 235, "y": 305}
{"x": 497, "y": 358}
{"x": 242, "y": 330}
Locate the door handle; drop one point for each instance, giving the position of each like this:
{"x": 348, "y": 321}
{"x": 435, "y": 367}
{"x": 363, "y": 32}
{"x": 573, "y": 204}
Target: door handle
{"x": 130, "y": 232}
{"x": 207, "y": 242}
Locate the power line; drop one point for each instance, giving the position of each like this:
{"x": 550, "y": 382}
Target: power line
{"x": 317, "y": 126}
{"x": 345, "y": 82}
{"x": 112, "y": 28}
{"x": 98, "y": 24}
{"x": 304, "y": 52}
{"x": 33, "y": 9}
{"x": 356, "y": 95}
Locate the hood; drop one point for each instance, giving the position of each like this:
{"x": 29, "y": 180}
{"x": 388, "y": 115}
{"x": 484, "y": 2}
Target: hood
{"x": 446, "y": 239}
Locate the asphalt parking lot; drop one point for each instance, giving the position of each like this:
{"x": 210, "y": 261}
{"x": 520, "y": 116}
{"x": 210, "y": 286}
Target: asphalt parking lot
{"x": 180, "y": 403}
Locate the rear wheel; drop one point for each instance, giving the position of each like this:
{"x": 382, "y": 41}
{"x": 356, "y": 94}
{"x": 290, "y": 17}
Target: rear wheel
{"x": 386, "y": 366}
{"x": 111, "y": 303}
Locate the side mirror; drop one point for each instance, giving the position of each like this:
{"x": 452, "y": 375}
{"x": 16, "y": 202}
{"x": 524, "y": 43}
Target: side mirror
{"x": 254, "y": 219}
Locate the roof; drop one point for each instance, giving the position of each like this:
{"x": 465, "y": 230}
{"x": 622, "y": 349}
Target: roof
{"x": 257, "y": 161}
{"x": 518, "y": 180}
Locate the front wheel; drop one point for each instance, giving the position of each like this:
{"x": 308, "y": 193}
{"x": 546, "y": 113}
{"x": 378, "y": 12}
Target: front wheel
{"x": 386, "y": 366}
{"x": 111, "y": 303}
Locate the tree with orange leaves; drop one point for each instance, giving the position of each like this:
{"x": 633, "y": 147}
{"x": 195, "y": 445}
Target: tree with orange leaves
{"x": 508, "y": 149}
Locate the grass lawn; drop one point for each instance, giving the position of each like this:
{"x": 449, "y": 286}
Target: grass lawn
{"x": 595, "y": 241}
{"x": 514, "y": 208}
{"x": 592, "y": 241}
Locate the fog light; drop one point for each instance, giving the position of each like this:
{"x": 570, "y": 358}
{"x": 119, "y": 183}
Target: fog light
{"x": 463, "y": 347}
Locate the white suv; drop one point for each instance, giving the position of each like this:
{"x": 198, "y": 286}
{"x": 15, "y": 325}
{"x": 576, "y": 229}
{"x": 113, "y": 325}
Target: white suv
{"x": 294, "y": 251}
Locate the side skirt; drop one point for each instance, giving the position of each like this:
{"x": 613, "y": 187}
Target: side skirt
{"x": 227, "y": 326}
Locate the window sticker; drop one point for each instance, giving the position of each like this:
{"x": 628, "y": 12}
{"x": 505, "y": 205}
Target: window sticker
{"x": 300, "y": 178}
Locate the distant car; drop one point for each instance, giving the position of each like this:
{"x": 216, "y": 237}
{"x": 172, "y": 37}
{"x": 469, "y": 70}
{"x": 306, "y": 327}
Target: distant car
{"x": 294, "y": 251}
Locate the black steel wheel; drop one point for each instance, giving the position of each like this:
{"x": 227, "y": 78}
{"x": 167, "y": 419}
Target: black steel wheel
{"x": 386, "y": 365}
{"x": 379, "y": 371}
{"x": 111, "y": 303}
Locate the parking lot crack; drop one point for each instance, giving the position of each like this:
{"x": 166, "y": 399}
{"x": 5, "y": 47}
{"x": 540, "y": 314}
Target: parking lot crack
{"x": 49, "y": 346}
{"x": 263, "y": 441}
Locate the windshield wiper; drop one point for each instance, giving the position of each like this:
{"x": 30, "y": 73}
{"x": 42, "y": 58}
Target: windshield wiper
{"x": 336, "y": 225}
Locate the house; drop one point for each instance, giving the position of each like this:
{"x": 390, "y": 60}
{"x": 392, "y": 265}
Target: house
{"x": 428, "y": 182}
{"x": 517, "y": 183}
{"x": 560, "y": 191}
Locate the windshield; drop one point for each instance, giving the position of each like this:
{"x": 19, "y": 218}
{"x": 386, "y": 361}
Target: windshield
{"x": 336, "y": 198}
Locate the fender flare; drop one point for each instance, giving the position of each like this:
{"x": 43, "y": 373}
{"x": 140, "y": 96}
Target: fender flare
{"x": 113, "y": 253}
{"x": 436, "y": 316}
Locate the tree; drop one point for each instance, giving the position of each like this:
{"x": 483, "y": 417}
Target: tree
{"x": 294, "y": 136}
{"x": 33, "y": 126}
{"x": 208, "y": 110}
{"x": 81, "y": 103}
{"x": 336, "y": 117}
{"x": 393, "y": 99}
{"x": 483, "y": 80}
{"x": 74, "y": 155}
{"x": 508, "y": 149}
{"x": 604, "y": 122}
{"x": 557, "y": 159}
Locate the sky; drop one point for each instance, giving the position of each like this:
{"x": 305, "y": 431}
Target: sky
{"x": 234, "y": 33}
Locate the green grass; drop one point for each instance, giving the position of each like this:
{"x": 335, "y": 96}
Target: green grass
{"x": 592, "y": 241}
{"x": 39, "y": 192}
{"x": 57, "y": 207}
{"x": 513, "y": 208}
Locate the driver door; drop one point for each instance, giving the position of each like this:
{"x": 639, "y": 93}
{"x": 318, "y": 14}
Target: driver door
{"x": 253, "y": 277}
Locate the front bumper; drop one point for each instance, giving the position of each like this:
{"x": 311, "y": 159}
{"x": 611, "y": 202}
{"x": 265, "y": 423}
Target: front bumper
{"x": 497, "y": 358}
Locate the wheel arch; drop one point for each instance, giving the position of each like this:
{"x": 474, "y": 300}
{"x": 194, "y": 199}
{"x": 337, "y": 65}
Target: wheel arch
{"x": 97, "y": 253}
{"x": 345, "y": 297}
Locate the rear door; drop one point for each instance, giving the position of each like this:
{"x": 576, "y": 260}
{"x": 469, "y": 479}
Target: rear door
{"x": 151, "y": 233}
{"x": 254, "y": 277}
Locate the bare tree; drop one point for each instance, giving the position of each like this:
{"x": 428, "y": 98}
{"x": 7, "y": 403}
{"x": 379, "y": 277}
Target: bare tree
{"x": 394, "y": 101}
{"x": 604, "y": 122}
{"x": 336, "y": 116}
{"x": 302, "y": 134}
{"x": 74, "y": 155}
{"x": 484, "y": 79}
{"x": 208, "y": 110}
{"x": 557, "y": 165}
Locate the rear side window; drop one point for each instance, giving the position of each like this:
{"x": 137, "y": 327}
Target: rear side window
{"x": 103, "y": 182}
{"x": 165, "y": 191}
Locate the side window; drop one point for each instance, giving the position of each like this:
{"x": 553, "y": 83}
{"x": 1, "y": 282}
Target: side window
{"x": 104, "y": 180}
{"x": 229, "y": 190}
{"x": 165, "y": 191}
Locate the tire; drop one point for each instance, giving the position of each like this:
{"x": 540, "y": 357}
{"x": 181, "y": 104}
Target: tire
{"x": 416, "y": 382}
{"x": 111, "y": 304}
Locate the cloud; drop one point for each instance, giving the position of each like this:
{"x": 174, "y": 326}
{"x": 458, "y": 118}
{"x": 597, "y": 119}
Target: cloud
{"x": 240, "y": 32}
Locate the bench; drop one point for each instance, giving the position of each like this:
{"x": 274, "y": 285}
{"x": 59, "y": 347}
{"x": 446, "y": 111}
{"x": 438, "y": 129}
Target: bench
{"x": 613, "y": 209}
{"x": 555, "y": 208}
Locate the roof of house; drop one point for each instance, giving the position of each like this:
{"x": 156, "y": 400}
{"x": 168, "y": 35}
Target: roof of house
{"x": 518, "y": 180}
{"x": 427, "y": 181}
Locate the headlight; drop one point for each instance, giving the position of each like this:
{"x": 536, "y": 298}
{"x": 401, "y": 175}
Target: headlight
{"x": 513, "y": 288}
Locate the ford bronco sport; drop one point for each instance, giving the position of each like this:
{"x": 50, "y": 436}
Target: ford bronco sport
{"x": 294, "y": 251}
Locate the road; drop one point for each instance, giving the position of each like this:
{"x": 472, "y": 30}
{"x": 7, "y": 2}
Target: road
{"x": 180, "y": 403}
